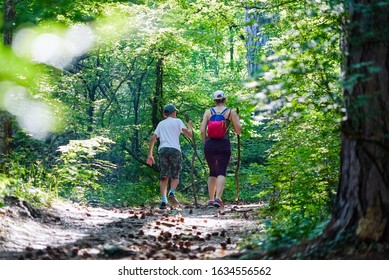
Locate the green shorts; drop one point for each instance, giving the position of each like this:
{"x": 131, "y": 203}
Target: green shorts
{"x": 169, "y": 162}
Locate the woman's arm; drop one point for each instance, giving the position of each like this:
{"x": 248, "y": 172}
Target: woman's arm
{"x": 204, "y": 123}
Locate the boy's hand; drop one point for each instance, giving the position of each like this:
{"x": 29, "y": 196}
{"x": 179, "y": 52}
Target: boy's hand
{"x": 150, "y": 160}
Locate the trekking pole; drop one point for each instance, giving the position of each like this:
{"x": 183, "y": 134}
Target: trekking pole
{"x": 237, "y": 167}
{"x": 193, "y": 161}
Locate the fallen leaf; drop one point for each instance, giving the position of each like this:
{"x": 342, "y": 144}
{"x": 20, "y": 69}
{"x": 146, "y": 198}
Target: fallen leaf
{"x": 208, "y": 248}
{"x": 176, "y": 236}
{"x": 167, "y": 224}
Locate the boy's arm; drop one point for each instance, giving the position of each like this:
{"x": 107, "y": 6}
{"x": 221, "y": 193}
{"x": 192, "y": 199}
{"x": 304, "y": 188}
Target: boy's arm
{"x": 150, "y": 159}
{"x": 188, "y": 131}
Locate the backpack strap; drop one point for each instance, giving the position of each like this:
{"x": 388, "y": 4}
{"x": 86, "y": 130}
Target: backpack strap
{"x": 213, "y": 112}
{"x": 229, "y": 115}
{"x": 225, "y": 110}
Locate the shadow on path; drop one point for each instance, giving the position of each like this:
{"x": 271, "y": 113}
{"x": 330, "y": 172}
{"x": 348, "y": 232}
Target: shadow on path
{"x": 70, "y": 231}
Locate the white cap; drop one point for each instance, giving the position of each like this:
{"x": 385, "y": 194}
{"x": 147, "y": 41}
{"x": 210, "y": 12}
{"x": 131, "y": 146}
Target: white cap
{"x": 219, "y": 94}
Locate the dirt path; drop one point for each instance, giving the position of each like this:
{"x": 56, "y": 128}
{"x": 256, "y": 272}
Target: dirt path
{"x": 70, "y": 231}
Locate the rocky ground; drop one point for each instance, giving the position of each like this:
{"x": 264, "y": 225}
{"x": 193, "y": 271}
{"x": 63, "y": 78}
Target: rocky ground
{"x": 71, "y": 231}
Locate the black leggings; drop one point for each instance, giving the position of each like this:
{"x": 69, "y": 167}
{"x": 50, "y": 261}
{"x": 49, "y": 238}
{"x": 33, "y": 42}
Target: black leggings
{"x": 217, "y": 153}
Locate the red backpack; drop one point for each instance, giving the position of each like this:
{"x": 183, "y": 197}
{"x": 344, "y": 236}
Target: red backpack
{"x": 217, "y": 125}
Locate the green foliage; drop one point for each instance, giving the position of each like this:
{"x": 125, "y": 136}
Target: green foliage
{"x": 304, "y": 163}
{"x": 38, "y": 178}
{"x": 26, "y": 171}
{"x": 66, "y": 11}
{"x": 254, "y": 183}
{"x": 14, "y": 69}
{"x": 299, "y": 97}
{"x": 4, "y": 185}
{"x": 78, "y": 169}
{"x": 121, "y": 75}
{"x": 124, "y": 195}
{"x": 277, "y": 232}
{"x": 30, "y": 183}
{"x": 290, "y": 110}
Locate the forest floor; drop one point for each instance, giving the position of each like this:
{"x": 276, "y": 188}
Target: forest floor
{"x": 67, "y": 231}
{"x": 72, "y": 231}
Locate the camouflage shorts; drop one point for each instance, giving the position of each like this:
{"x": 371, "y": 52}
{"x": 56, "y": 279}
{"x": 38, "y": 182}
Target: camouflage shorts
{"x": 169, "y": 162}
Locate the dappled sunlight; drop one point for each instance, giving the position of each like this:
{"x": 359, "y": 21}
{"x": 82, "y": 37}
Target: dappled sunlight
{"x": 212, "y": 231}
{"x": 90, "y": 78}
{"x": 50, "y": 49}
{"x": 37, "y": 119}
{"x": 15, "y": 99}
{"x": 70, "y": 231}
{"x": 57, "y": 48}
{"x": 71, "y": 223}
{"x": 80, "y": 39}
{"x": 252, "y": 84}
{"x": 33, "y": 116}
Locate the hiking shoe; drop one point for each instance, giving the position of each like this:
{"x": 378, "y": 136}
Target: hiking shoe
{"x": 163, "y": 205}
{"x": 210, "y": 203}
{"x": 218, "y": 203}
{"x": 173, "y": 200}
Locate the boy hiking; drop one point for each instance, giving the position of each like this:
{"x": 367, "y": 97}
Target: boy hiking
{"x": 169, "y": 152}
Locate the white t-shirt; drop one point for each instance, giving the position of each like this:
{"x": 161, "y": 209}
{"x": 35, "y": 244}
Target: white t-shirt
{"x": 168, "y": 131}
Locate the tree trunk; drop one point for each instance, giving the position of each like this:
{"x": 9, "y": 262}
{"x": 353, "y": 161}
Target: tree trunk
{"x": 255, "y": 39}
{"x": 5, "y": 118}
{"x": 5, "y": 133}
{"x": 231, "y": 42}
{"x": 362, "y": 202}
{"x": 137, "y": 90}
{"x": 157, "y": 98}
{"x": 91, "y": 92}
{"x": 9, "y": 21}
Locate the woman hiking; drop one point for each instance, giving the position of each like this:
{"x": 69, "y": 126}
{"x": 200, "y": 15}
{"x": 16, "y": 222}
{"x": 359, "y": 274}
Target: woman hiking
{"x": 217, "y": 148}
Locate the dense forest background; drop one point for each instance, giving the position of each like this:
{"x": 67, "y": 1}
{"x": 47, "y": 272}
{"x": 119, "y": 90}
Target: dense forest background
{"x": 82, "y": 84}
